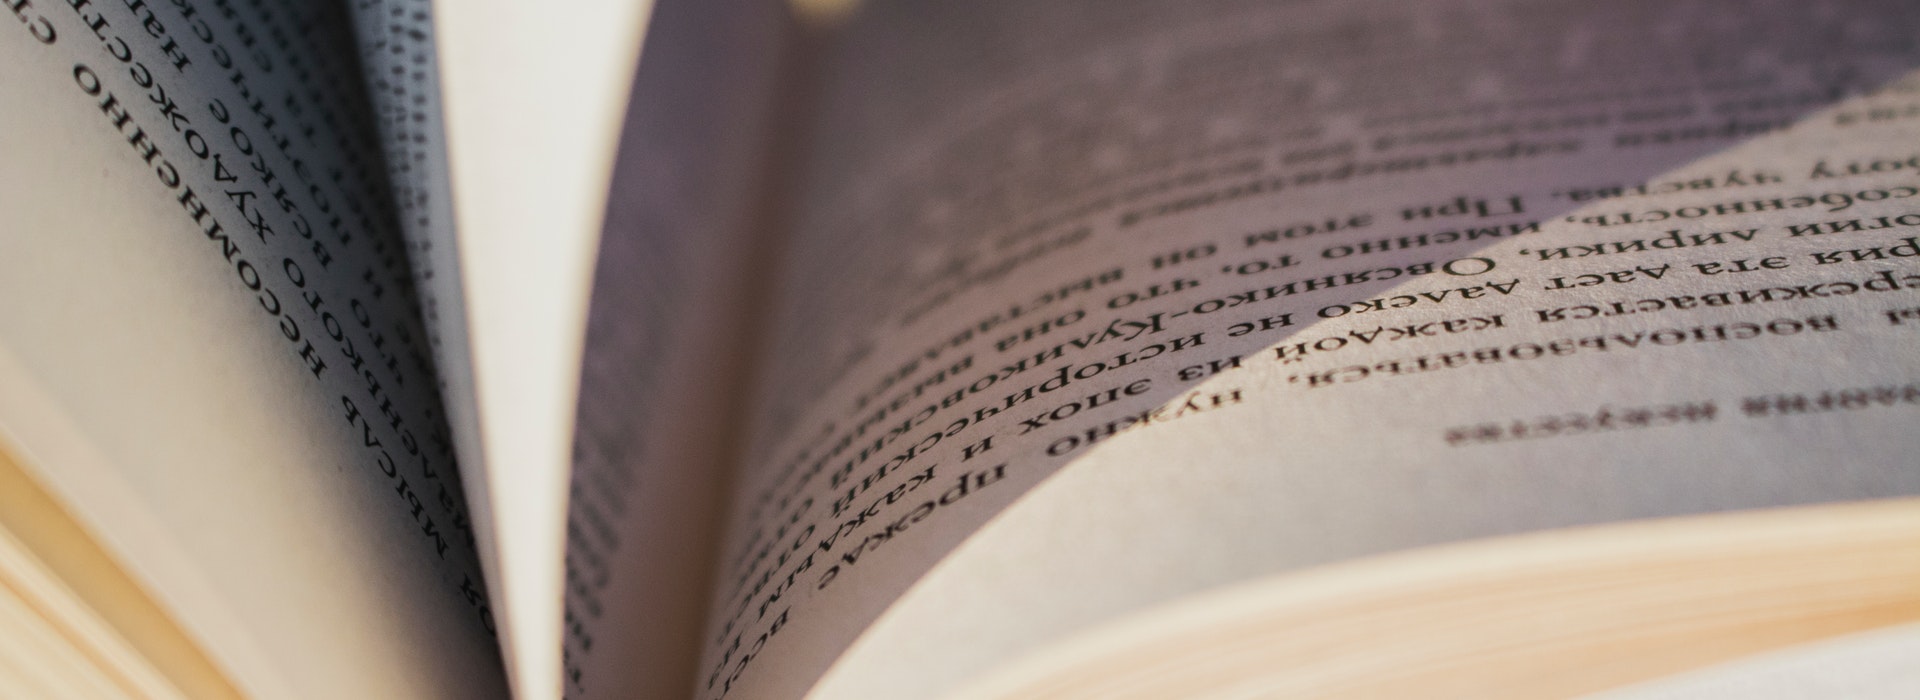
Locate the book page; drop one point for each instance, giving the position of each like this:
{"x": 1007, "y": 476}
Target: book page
{"x": 1165, "y": 296}
{"x": 210, "y": 351}
{"x": 666, "y": 357}
{"x": 500, "y": 121}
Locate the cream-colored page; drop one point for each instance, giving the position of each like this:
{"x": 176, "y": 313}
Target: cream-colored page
{"x": 1876, "y": 665}
{"x": 1091, "y": 306}
{"x": 209, "y": 347}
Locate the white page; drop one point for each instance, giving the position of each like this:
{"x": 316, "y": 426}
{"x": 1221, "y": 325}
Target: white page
{"x": 208, "y": 349}
{"x": 515, "y": 111}
{"x": 533, "y": 95}
{"x": 993, "y": 181}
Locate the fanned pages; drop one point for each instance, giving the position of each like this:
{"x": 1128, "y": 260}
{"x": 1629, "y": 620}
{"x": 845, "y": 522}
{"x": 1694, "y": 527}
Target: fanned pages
{"x": 956, "y": 348}
{"x": 1876, "y": 665}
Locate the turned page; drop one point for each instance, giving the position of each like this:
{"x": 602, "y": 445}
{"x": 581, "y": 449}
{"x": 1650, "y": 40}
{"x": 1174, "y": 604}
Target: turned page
{"x": 1090, "y": 306}
{"x": 500, "y": 120}
{"x": 517, "y": 126}
{"x": 209, "y": 349}
{"x": 666, "y": 359}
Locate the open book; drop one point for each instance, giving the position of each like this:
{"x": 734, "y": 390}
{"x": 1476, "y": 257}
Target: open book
{"x": 992, "y": 349}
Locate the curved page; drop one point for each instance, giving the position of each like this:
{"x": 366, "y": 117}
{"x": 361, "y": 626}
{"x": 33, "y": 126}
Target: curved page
{"x": 1171, "y": 295}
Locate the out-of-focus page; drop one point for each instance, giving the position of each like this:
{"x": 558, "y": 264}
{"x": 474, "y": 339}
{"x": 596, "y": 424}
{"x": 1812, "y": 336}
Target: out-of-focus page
{"x": 210, "y": 351}
{"x": 402, "y": 81}
{"x": 1243, "y": 287}
{"x": 1875, "y": 665}
{"x": 665, "y": 357}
